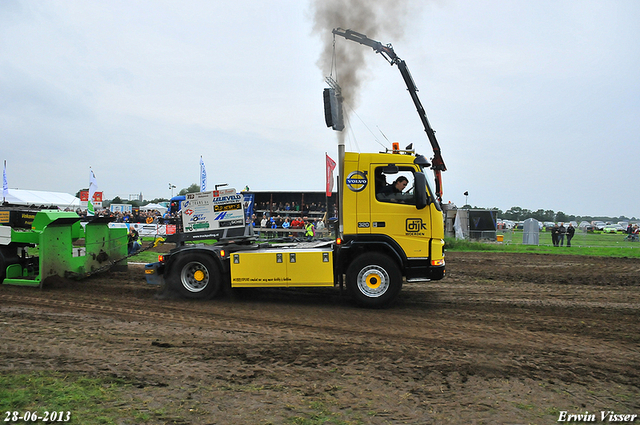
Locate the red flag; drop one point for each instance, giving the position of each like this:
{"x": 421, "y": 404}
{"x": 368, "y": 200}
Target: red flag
{"x": 331, "y": 165}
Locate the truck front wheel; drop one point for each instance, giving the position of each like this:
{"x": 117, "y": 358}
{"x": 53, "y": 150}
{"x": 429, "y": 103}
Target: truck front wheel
{"x": 373, "y": 280}
{"x": 197, "y": 276}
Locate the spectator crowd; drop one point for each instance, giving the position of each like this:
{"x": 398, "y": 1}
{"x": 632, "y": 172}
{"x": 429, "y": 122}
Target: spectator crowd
{"x": 282, "y": 216}
{"x": 276, "y": 218}
{"x": 134, "y": 216}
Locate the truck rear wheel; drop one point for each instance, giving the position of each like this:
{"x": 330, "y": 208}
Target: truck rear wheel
{"x": 374, "y": 280}
{"x": 197, "y": 276}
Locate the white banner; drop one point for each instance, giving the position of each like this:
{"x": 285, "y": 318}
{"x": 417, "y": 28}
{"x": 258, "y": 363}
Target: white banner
{"x": 215, "y": 210}
{"x": 147, "y": 230}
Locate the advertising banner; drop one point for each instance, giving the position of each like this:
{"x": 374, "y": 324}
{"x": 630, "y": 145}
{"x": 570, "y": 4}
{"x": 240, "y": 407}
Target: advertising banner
{"x": 120, "y": 207}
{"x": 214, "y": 210}
{"x": 84, "y": 197}
{"x": 146, "y": 230}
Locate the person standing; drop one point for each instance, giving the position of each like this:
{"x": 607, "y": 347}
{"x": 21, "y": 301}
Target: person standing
{"x": 133, "y": 244}
{"x": 555, "y": 230}
{"x": 570, "y": 232}
{"x": 309, "y": 230}
{"x": 561, "y": 232}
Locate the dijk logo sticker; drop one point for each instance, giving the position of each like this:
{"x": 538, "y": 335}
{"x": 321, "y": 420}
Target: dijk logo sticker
{"x": 415, "y": 225}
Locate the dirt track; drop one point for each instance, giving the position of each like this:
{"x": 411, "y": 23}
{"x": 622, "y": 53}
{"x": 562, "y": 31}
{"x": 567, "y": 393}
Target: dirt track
{"x": 503, "y": 339}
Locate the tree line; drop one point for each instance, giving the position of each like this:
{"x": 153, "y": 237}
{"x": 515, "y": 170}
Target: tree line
{"x": 521, "y": 214}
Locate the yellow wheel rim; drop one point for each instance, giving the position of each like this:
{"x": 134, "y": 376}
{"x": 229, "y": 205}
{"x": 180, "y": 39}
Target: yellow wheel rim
{"x": 373, "y": 281}
{"x": 198, "y": 275}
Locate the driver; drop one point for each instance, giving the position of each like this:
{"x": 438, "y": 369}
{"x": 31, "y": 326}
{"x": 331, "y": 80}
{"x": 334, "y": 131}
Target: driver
{"x": 395, "y": 189}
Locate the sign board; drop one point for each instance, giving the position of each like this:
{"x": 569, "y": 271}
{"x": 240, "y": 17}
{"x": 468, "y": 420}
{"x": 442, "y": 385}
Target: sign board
{"x": 17, "y": 218}
{"x": 147, "y": 230}
{"x": 120, "y": 207}
{"x": 84, "y": 197}
{"x": 212, "y": 211}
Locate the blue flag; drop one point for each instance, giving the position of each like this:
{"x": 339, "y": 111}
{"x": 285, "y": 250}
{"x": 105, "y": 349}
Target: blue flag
{"x": 203, "y": 177}
{"x": 5, "y": 185}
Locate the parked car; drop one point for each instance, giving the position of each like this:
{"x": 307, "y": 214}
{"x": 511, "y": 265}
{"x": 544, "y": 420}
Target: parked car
{"x": 505, "y": 224}
{"x": 599, "y": 225}
{"x": 548, "y": 225}
{"x": 613, "y": 228}
{"x": 585, "y": 226}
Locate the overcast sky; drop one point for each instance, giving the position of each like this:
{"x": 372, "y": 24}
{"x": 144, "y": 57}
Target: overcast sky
{"x": 535, "y": 103}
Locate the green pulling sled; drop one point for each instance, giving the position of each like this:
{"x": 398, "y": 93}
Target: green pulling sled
{"x": 35, "y": 245}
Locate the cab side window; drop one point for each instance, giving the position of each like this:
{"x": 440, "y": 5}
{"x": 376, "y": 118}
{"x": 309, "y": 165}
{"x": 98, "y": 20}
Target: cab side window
{"x": 395, "y": 186}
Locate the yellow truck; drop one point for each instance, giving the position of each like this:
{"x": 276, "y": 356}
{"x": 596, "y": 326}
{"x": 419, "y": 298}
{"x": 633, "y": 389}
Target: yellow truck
{"x": 388, "y": 236}
{"x": 391, "y": 227}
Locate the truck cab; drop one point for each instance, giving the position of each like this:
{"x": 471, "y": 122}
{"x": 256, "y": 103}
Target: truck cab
{"x": 389, "y": 208}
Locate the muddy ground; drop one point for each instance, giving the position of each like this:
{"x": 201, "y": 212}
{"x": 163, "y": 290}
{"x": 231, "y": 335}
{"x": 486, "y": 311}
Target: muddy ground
{"x": 503, "y": 339}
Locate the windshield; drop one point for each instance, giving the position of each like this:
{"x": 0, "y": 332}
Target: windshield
{"x": 430, "y": 192}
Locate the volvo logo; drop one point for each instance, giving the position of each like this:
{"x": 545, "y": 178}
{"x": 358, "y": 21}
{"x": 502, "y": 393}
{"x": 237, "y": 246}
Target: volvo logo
{"x": 357, "y": 181}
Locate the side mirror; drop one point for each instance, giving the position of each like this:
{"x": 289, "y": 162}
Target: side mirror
{"x": 421, "y": 191}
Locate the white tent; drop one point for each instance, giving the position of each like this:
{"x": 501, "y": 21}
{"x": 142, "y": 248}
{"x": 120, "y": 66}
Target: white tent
{"x": 38, "y": 198}
{"x": 156, "y": 207}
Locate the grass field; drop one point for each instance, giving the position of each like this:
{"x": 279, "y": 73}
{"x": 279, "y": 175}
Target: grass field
{"x": 67, "y": 398}
{"x": 598, "y": 244}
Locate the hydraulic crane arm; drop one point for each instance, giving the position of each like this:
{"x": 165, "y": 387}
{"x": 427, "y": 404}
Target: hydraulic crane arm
{"x": 437, "y": 163}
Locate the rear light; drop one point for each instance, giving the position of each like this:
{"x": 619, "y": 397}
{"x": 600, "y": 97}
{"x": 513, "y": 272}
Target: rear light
{"x": 161, "y": 258}
{"x": 222, "y": 253}
{"x": 338, "y": 241}
{"x": 437, "y": 262}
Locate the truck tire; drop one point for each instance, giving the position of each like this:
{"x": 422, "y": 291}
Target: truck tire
{"x": 374, "y": 280}
{"x": 197, "y": 276}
